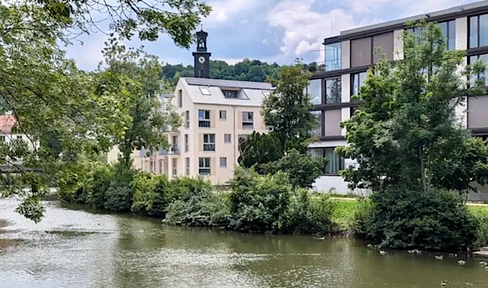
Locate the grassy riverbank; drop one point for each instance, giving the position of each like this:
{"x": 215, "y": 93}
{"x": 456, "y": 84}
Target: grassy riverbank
{"x": 270, "y": 204}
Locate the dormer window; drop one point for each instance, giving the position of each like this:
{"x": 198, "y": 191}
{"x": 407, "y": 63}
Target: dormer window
{"x": 230, "y": 93}
{"x": 204, "y": 91}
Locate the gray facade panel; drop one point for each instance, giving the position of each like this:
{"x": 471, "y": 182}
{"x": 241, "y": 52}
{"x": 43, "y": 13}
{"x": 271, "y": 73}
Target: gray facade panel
{"x": 361, "y": 52}
{"x": 383, "y": 42}
{"x": 478, "y": 112}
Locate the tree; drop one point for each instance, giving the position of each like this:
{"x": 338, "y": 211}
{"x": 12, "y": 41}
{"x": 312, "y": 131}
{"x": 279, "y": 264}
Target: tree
{"x": 53, "y": 103}
{"x": 302, "y": 169}
{"x": 151, "y": 118}
{"x": 178, "y": 19}
{"x": 404, "y": 132}
{"x": 257, "y": 149}
{"x": 287, "y": 108}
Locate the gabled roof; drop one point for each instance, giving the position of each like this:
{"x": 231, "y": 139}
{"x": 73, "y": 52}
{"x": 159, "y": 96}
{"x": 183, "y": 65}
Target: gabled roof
{"x": 209, "y": 91}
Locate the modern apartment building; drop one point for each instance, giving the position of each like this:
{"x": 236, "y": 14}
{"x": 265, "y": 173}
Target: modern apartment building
{"x": 216, "y": 114}
{"x": 350, "y": 54}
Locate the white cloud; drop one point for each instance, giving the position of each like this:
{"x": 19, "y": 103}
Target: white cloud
{"x": 223, "y": 10}
{"x": 304, "y": 29}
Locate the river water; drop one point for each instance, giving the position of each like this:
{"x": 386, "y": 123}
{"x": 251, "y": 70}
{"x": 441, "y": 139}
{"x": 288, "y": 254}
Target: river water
{"x": 71, "y": 247}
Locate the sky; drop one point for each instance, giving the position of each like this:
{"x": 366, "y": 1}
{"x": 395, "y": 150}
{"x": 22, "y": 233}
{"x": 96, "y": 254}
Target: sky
{"x": 269, "y": 30}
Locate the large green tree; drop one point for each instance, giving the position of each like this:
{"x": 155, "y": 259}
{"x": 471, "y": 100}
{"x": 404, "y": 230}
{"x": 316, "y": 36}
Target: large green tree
{"x": 129, "y": 18}
{"x": 49, "y": 98}
{"x": 287, "y": 108}
{"x": 405, "y": 131}
{"x": 151, "y": 116}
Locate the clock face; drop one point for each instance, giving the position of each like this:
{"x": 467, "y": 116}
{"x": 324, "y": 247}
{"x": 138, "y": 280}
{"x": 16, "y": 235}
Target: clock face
{"x": 201, "y": 59}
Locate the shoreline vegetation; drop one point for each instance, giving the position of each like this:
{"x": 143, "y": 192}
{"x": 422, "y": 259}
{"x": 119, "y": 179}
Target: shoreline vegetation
{"x": 252, "y": 204}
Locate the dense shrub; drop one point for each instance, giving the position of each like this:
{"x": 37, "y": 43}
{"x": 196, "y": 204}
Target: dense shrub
{"x": 303, "y": 169}
{"x": 259, "y": 203}
{"x": 210, "y": 210}
{"x": 150, "y": 195}
{"x": 183, "y": 188}
{"x": 360, "y": 220}
{"x": 482, "y": 228}
{"x": 309, "y": 214}
{"x": 403, "y": 218}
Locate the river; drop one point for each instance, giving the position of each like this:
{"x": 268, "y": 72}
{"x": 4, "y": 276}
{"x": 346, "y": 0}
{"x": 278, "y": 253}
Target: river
{"x": 71, "y": 247}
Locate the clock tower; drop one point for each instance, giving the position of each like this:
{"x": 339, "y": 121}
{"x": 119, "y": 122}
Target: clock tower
{"x": 201, "y": 65}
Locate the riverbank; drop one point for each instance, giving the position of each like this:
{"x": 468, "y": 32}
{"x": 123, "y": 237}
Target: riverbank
{"x": 257, "y": 203}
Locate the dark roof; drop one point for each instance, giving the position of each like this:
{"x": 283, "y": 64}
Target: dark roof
{"x": 228, "y": 83}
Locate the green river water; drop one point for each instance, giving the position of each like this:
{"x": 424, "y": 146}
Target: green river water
{"x": 71, "y": 247}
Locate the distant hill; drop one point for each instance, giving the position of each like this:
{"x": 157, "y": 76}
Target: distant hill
{"x": 247, "y": 70}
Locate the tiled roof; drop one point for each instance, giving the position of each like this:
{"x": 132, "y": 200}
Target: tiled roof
{"x": 6, "y": 123}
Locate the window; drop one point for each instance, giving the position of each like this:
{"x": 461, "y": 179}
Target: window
{"x": 227, "y": 138}
{"x": 186, "y": 143}
{"x": 187, "y": 119}
{"x": 2, "y": 138}
{"x": 151, "y": 166}
{"x": 361, "y": 52}
{"x": 204, "y": 118}
{"x": 161, "y": 163}
{"x": 240, "y": 139}
{"x": 315, "y": 91}
{"x": 230, "y": 93}
{"x": 223, "y": 162}
{"x": 333, "y": 59}
{"x": 204, "y": 166}
{"x": 180, "y": 98}
{"x": 333, "y": 90}
{"x": 335, "y": 161}
{"x": 357, "y": 81}
{"x": 204, "y": 91}
{"x": 473, "y": 59}
{"x": 247, "y": 120}
{"x": 174, "y": 147}
{"x": 478, "y": 31}
{"x": 19, "y": 137}
{"x": 175, "y": 166}
{"x": 223, "y": 115}
{"x": 187, "y": 160}
{"x": 448, "y": 29}
{"x": 208, "y": 142}
{"x": 318, "y": 131}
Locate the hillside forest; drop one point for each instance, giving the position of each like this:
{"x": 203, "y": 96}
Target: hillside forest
{"x": 246, "y": 70}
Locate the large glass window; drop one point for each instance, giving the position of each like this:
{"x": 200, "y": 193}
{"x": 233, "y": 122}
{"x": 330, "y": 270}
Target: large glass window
{"x": 333, "y": 90}
{"x": 478, "y": 31}
{"x": 448, "y": 29}
{"x": 208, "y": 142}
{"x": 333, "y": 57}
{"x": 473, "y": 59}
{"x": 318, "y": 130}
{"x": 335, "y": 161}
{"x": 357, "y": 80}
{"x": 315, "y": 91}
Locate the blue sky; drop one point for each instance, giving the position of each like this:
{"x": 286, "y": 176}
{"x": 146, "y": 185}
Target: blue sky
{"x": 270, "y": 30}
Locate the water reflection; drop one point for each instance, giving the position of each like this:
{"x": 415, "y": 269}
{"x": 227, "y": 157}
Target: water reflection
{"x": 77, "y": 248}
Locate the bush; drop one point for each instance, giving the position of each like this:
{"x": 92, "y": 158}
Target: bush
{"x": 360, "y": 220}
{"x": 402, "y": 218}
{"x": 259, "y": 203}
{"x": 184, "y": 188}
{"x": 150, "y": 195}
{"x": 200, "y": 210}
{"x": 309, "y": 214}
{"x": 303, "y": 169}
{"x": 100, "y": 181}
{"x": 481, "y": 215}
